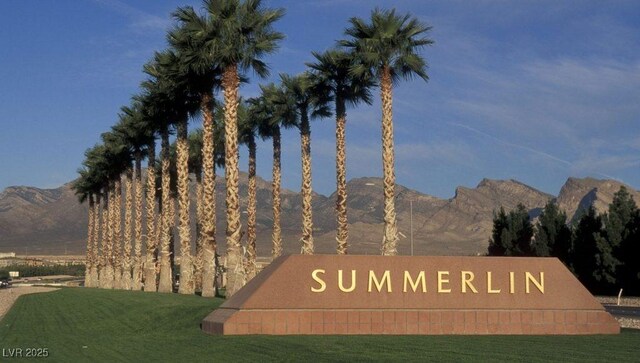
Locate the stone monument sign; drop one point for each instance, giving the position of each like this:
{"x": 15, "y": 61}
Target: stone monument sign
{"x": 331, "y": 294}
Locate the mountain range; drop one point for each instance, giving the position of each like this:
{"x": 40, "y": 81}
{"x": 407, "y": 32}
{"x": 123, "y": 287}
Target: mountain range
{"x": 51, "y": 221}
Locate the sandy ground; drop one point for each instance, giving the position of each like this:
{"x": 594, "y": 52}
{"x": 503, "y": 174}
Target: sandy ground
{"x": 625, "y": 301}
{"x": 9, "y": 296}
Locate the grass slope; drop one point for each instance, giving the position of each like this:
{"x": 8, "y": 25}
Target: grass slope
{"x": 105, "y": 325}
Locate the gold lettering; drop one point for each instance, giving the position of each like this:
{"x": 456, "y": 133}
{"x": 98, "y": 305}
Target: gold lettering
{"x": 353, "y": 281}
{"x": 414, "y": 284}
{"x": 539, "y": 283}
{"x": 467, "y": 277}
{"x": 490, "y": 289}
{"x": 512, "y": 283}
{"x": 386, "y": 277}
{"x": 442, "y": 280}
{"x": 323, "y": 285}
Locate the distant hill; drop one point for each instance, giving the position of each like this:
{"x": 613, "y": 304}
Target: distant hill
{"x": 51, "y": 221}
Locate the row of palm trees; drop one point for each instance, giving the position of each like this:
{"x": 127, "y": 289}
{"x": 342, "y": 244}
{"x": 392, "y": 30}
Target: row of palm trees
{"x": 212, "y": 52}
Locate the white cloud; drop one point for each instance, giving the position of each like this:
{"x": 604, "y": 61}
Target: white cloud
{"x": 605, "y": 163}
{"x": 140, "y": 20}
{"x": 595, "y": 78}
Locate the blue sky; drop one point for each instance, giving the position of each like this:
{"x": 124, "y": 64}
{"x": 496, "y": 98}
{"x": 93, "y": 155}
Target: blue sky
{"x": 531, "y": 90}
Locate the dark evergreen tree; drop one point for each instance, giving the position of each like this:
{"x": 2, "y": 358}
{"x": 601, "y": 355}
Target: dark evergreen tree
{"x": 586, "y": 254}
{"x": 621, "y": 224}
{"x": 512, "y": 233}
{"x": 619, "y": 221}
{"x": 496, "y": 247}
{"x": 552, "y": 235}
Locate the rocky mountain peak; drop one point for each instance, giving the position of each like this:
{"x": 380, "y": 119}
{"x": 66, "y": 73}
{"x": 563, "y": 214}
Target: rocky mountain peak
{"x": 47, "y": 220}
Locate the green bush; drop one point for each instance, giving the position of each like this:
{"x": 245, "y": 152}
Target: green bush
{"x": 47, "y": 270}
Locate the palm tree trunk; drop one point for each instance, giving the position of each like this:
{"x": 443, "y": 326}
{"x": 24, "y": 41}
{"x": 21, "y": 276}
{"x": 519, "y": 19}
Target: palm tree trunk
{"x": 136, "y": 284}
{"x": 95, "y": 253}
{"x": 150, "y": 282}
{"x": 276, "y": 236}
{"x": 165, "y": 284}
{"x": 90, "y": 232}
{"x": 117, "y": 233}
{"x": 187, "y": 285}
{"x": 197, "y": 263}
{"x": 172, "y": 242}
{"x": 307, "y": 218}
{"x": 104, "y": 241}
{"x": 128, "y": 225}
{"x": 109, "y": 244}
{"x": 235, "y": 271}
{"x": 158, "y": 238}
{"x": 341, "y": 178}
{"x": 390, "y": 235}
{"x": 209, "y": 202}
{"x": 251, "y": 268}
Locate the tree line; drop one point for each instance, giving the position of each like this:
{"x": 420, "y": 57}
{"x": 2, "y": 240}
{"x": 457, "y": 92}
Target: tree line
{"x": 198, "y": 76}
{"x": 602, "y": 250}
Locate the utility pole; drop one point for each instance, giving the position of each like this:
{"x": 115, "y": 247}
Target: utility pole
{"x": 411, "y": 223}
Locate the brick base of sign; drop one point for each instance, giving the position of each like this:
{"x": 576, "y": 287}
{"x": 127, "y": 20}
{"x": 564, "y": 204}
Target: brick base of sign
{"x": 409, "y": 322}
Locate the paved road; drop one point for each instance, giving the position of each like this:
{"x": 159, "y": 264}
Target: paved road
{"x": 626, "y": 311}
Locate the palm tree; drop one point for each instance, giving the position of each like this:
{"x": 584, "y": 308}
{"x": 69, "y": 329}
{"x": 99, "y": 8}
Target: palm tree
{"x": 302, "y": 98}
{"x": 148, "y": 114}
{"x": 119, "y": 130}
{"x": 271, "y": 112}
{"x": 160, "y": 103}
{"x": 247, "y": 130}
{"x": 191, "y": 38}
{"x": 119, "y": 162}
{"x": 107, "y": 270}
{"x": 82, "y": 188}
{"x": 195, "y": 168}
{"x": 245, "y": 36}
{"x": 96, "y": 161}
{"x": 94, "y": 164}
{"x": 138, "y": 134}
{"x": 387, "y": 48}
{"x": 331, "y": 73}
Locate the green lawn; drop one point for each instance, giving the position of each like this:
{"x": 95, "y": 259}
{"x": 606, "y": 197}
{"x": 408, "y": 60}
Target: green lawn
{"x": 77, "y": 324}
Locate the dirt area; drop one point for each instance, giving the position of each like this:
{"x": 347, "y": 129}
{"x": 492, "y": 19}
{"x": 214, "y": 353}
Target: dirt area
{"x": 625, "y": 301}
{"x": 9, "y": 296}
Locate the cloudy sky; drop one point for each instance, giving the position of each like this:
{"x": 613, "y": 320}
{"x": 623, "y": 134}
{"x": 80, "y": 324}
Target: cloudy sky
{"x": 536, "y": 91}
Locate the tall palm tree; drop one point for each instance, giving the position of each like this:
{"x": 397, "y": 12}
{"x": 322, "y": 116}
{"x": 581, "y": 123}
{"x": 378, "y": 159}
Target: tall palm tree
{"x": 161, "y": 103}
{"x": 245, "y": 36}
{"x": 148, "y": 110}
{"x": 119, "y": 161}
{"x": 387, "y": 47}
{"x": 331, "y": 73}
{"x": 94, "y": 163}
{"x": 138, "y": 134}
{"x": 119, "y": 130}
{"x": 190, "y": 38}
{"x": 271, "y": 113}
{"x": 195, "y": 168}
{"x": 95, "y": 253}
{"x": 107, "y": 271}
{"x": 247, "y": 130}
{"x": 188, "y": 86}
{"x": 82, "y": 188}
{"x": 302, "y": 98}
